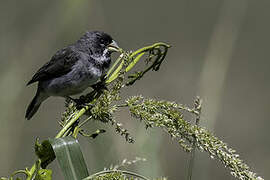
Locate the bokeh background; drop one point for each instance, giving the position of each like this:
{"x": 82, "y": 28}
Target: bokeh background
{"x": 220, "y": 52}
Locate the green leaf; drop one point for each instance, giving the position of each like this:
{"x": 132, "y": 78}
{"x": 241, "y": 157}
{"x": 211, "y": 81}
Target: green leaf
{"x": 70, "y": 158}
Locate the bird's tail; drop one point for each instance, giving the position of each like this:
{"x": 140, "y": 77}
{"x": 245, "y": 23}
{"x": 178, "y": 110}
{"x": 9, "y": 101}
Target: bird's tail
{"x": 34, "y": 105}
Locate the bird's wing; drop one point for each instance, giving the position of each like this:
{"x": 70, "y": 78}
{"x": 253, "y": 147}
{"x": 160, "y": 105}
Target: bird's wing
{"x": 60, "y": 64}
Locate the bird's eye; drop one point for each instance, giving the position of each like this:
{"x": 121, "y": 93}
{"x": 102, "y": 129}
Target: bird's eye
{"x": 102, "y": 41}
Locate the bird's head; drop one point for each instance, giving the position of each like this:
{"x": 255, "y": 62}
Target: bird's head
{"x": 99, "y": 43}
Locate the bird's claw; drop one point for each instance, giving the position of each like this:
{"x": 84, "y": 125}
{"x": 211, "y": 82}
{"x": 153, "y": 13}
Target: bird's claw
{"x": 100, "y": 86}
{"x": 80, "y": 102}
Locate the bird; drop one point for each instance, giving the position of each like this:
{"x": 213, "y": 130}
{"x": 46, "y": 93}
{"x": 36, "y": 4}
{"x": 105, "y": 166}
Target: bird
{"x": 73, "y": 68}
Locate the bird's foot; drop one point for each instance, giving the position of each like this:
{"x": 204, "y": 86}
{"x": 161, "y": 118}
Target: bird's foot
{"x": 100, "y": 86}
{"x": 79, "y": 103}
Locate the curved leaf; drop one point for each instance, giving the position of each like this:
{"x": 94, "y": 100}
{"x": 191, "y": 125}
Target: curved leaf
{"x": 70, "y": 158}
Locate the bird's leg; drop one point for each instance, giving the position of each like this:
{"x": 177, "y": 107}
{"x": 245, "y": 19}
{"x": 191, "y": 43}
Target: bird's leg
{"x": 101, "y": 85}
{"x": 80, "y": 102}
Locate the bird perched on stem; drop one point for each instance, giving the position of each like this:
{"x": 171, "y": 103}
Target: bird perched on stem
{"x": 73, "y": 69}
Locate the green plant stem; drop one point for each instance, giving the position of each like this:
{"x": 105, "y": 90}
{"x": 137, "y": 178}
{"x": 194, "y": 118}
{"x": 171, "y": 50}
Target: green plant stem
{"x": 197, "y": 109}
{"x": 20, "y": 172}
{"x": 31, "y": 172}
{"x": 147, "y": 48}
{"x": 84, "y": 122}
{"x": 70, "y": 123}
{"x": 114, "y": 65}
{"x": 130, "y": 66}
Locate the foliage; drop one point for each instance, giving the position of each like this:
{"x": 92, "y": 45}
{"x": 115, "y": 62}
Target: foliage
{"x": 104, "y": 101}
{"x": 168, "y": 116}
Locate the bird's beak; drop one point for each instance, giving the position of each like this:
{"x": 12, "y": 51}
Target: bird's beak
{"x": 113, "y": 47}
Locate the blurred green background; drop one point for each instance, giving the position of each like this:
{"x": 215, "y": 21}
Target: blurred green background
{"x": 220, "y": 52}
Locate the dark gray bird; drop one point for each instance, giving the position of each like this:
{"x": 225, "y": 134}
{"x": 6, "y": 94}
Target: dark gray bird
{"x": 73, "y": 69}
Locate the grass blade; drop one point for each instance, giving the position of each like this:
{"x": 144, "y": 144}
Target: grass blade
{"x": 70, "y": 158}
